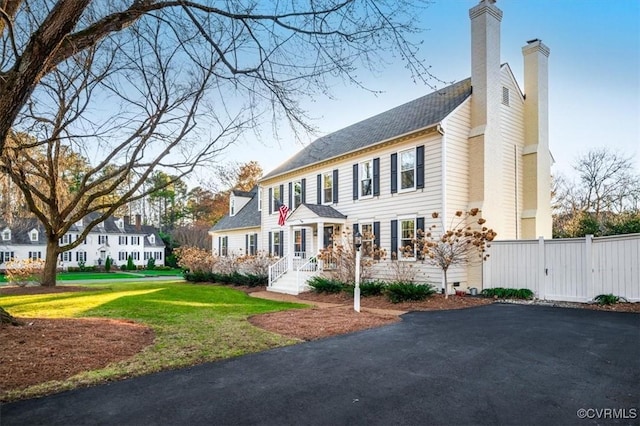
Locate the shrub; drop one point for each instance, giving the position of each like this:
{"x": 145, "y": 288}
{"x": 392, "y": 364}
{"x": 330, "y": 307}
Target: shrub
{"x": 151, "y": 263}
{"x": 326, "y": 285}
{"x": 194, "y": 259}
{"x": 107, "y": 264}
{"x": 403, "y": 291}
{"x": 22, "y": 272}
{"x": 130, "y": 265}
{"x": 508, "y": 293}
{"x": 608, "y": 299}
{"x": 123, "y": 267}
{"x": 372, "y": 288}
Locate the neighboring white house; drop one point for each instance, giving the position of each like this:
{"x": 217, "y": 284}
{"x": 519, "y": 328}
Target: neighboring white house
{"x": 115, "y": 238}
{"x": 479, "y": 143}
{"x": 237, "y": 233}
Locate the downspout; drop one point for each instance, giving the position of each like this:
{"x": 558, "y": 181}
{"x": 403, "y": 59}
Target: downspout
{"x": 443, "y": 189}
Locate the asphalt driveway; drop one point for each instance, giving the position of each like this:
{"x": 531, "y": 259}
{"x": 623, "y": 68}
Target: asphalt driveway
{"x": 496, "y": 364}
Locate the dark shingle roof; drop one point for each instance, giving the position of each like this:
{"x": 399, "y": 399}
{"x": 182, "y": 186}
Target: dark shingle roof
{"x": 20, "y": 229}
{"x": 247, "y": 217}
{"x": 246, "y": 194}
{"x": 414, "y": 115}
{"x": 325, "y": 211}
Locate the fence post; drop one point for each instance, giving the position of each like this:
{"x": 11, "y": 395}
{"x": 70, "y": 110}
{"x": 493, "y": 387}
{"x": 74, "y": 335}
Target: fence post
{"x": 588, "y": 266}
{"x": 542, "y": 270}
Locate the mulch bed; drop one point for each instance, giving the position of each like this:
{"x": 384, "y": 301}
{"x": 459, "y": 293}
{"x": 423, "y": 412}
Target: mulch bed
{"x": 56, "y": 349}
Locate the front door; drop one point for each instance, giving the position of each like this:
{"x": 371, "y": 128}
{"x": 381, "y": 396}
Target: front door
{"x": 328, "y": 236}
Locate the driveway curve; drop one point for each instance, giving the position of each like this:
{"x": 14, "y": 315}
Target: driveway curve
{"x": 496, "y": 364}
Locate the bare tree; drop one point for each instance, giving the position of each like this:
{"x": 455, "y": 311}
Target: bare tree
{"x": 139, "y": 85}
{"x": 464, "y": 240}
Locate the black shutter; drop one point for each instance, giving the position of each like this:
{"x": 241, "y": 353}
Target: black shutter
{"x": 281, "y": 248}
{"x": 270, "y": 241}
{"x": 394, "y": 238}
{"x": 420, "y": 167}
{"x": 281, "y": 199}
{"x": 270, "y": 200}
{"x": 335, "y": 186}
{"x": 290, "y": 205}
{"x": 219, "y": 246}
{"x": 355, "y": 181}
{"x": 255, "y": 243}
{"x": 376, "y": 239}
{"x": 303, "y": 190}
{"x": 303, "y": 240}
{"x": 394, "y": 173}
{"x": 376, "y": 176}
{"x": 319, "y": 192}
{"x": 246, "y": 244}
{"x": 420, "y": 226}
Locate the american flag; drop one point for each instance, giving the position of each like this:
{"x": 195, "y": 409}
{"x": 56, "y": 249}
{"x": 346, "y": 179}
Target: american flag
{"x": 284, "y": 210}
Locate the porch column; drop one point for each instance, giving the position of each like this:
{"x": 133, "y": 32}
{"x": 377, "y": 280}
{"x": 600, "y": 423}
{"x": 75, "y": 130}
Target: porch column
{"x": 320, "y": 236}
{"x": 289, "y": 248}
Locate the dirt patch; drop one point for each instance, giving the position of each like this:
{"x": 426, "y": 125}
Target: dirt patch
{"x": 317, "y": 323}
{"x": 56, "y": 349}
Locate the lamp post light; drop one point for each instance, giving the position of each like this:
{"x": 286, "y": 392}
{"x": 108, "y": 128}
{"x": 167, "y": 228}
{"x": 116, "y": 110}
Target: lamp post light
{"x": 357, "y": 242}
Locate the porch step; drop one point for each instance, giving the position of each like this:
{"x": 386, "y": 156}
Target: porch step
{"x": 288, "y": 284}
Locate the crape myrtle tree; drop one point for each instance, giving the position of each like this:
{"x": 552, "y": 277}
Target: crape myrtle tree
{"x": 140, "y": 85}
{"x": 463, "y": 241}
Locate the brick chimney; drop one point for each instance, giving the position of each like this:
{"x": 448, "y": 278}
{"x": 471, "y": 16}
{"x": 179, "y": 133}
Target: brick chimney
{"x": 486, "y": 163}
{"x": 536, "y": 215}
{"x": 138, "y": 222}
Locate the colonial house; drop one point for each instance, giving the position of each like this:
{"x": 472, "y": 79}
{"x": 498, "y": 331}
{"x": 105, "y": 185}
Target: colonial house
{"x": 115, "y": 237}
{"x": 479, "y": 143}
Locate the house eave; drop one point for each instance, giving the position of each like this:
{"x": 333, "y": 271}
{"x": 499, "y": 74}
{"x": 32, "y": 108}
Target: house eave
{"x": 424, "y": 131}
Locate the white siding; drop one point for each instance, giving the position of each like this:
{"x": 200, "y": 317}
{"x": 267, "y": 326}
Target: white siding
{"x": 512, "y": 128}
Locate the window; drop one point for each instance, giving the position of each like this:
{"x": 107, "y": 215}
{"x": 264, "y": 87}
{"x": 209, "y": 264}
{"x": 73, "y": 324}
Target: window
{"x": 35, "y": 255}
{"x": 277, "y": 198}
{"x": 135, "y": 255}
{"x": 6, "y": 256}
{"x": 152, "y": 239}
{"x": 123, "y": 240}
{"x": 259, "y": 199}
{"x": 81, "y": 256}
{"x": 147, "y": 255}
{"x": 276, "y": 244}
{"x": 505, "y": 96}
{"x": 297, "y": 194}
{"x": 366, "y": 230}
{"x": 6, "y": 235}
{"x": 232, "y": 206}
{"x": 66, "y": 239}
{"x": 407, "y": 235}
{"x": 65, "y": 256}
{"x": 157, "y": 255}
{"x": 33, "y": 235}
{"x": 224, "y": 246}
{"x": 327, "y": 188}
{"x": 122, "y": 255}
{"x": 299, "y": 242}
{"x": 135, "y": 241}
{"x": 252, "y": 244}
{"x": 103, "y": 239}
{"x": 407, "y": 169}
{"x": 366, "y": 179}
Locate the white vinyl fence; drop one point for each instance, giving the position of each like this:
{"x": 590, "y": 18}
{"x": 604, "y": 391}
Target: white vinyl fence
{"x": 572, "y": 269}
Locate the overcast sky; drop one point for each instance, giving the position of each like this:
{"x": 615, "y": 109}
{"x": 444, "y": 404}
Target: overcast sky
{"x": 594, "y": 76}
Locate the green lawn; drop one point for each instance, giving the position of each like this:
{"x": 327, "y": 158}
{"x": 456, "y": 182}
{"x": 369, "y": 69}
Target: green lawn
{"x": 192, "y": 323}
{"x": 77, "y": 276}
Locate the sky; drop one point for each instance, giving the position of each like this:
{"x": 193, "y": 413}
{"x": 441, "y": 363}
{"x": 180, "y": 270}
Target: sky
{"x": 594, "y": 77}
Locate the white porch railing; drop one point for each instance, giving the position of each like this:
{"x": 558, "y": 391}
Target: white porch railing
{"x": 278, "y": 269}
{"x": 311, "y": 266}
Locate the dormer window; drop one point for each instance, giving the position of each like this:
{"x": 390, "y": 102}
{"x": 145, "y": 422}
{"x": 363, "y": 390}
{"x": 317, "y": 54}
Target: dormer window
{"x": 33, "y": 235}
{"x": 232, "y": 206}
{"x": 120, "y": 223}
{"x": 6, "y": 234}
{"x": 152, "y": 239}
{"x": 79, "y": 223}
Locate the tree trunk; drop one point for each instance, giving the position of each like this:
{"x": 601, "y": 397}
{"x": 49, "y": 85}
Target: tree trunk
{"x": 7, "y": 318}
{"x": 50, "y": 264}
{"x": 446, "y": 285}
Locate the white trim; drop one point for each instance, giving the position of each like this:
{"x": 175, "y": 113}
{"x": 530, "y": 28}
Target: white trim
{"x": 400, "y": 219}
{"x": 360, "y": 175}
{"x": 415, "y": 170}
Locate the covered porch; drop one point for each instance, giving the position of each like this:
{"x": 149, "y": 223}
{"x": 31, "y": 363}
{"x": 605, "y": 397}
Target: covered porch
{"x": 309, "y": 229}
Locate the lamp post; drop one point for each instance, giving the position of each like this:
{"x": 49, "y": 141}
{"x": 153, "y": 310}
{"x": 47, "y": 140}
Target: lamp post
{"x": 357, "y": 242}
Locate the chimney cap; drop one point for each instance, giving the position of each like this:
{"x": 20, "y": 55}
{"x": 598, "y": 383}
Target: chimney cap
{"x": 533, "y": 40}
